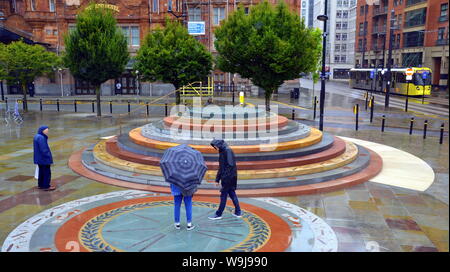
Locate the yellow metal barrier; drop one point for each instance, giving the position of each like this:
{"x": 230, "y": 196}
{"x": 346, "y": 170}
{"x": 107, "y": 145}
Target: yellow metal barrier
{"x": 198, "y": 89}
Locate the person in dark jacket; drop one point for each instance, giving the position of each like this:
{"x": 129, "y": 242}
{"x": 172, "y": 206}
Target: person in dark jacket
{"x": 43, "y": 158}
{"x": 227, "y": 175}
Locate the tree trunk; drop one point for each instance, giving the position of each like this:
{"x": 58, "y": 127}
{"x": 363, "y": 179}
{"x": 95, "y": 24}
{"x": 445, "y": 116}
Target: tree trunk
{"x": 268, "y": 94}
{"x": 99, "y": 106}
{"x": 24, "y": 100}
{"x": 177, "y": 94}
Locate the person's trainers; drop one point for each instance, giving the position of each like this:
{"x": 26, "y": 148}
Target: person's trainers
{"x": 237, "y": 215}
{"x": 215, "y": 217}
{"x": 51, "y": 188}
{"x": 177, "y": 225}
{"x": 190, "y": 226}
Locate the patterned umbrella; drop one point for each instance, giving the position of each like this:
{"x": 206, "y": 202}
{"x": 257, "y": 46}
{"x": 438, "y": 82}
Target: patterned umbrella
{"x": 184, "y": 167}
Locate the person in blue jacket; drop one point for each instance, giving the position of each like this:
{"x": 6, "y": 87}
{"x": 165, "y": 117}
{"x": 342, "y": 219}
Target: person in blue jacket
{"x": 227, "y": 175}
{"x": 43, "y": 158}
{"x": 178, "y": 198}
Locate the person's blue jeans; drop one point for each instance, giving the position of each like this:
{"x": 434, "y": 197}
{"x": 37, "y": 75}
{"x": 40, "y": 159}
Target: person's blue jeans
{"x": 45, "y": 176}
{"x": 223, "y": 202}
{"x": 187, "y": 205}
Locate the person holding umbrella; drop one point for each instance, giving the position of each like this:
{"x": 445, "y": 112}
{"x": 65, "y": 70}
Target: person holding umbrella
{"x": 227, "y": 173}
{"x": 184, "y": 168}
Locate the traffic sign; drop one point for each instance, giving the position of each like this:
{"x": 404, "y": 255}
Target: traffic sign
{"x": 409, "y": 72}
{"x": 409, "y": 77}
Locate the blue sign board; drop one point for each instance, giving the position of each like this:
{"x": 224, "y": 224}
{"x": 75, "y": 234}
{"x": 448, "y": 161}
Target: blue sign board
{"x": 425, "y": 75}
{"x": 372, "y": 74}
{"x": 196, "y": 28}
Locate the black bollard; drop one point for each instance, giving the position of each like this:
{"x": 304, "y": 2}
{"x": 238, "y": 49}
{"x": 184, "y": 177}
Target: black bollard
{"x": 366, "y": 96}
{"x": 75, "y": 105}
{"x": 6, "y": 103}
{"x": 166, "y": 109}
{"x": 146, "y": 106}
{"x": 441, "y": 137}
{"x": 356, "y": 109}
{"x": 129, "y": 107}
{"x": 293, "y": 114}
{"x": 110, "y": 106}
{"x": 425, "y": 125}
{"x": 372, "y": 106}
{"x": 315, "y": 107}
{"x": 93, "y": 109}
{"x": 383, "y": 122}
{"x": 40, "y": 104}
{"x": 57, "y": 104}
{"x": 411, "y": 124}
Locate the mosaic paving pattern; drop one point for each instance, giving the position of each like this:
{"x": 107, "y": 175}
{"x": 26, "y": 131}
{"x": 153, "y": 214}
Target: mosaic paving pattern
{"x": 138, "y": 221}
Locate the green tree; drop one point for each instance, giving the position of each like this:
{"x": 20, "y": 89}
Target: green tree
{"x": 173, "y": 56}
{"x": 21, "y": 63}
{"x": 268, "y": 46}
{"x": 96, "y": 49}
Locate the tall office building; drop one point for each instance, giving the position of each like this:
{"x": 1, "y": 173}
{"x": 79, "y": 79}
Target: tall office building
{"x": 341, "y": 30}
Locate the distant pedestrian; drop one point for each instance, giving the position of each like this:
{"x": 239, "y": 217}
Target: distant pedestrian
{"x": 178, "y": 198}
{"x": 43, "y": 158}
{"x": 209, "y": 102}
{"x": 227, "y": 175}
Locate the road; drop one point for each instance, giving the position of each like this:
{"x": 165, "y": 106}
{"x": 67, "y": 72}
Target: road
{"x": 435, "y": 106}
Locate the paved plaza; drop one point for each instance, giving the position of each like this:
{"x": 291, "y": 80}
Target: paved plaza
{"x": 403, "y": 213}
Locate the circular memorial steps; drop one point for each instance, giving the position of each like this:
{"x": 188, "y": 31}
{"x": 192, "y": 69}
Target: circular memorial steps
{"x": 295, "y": 159}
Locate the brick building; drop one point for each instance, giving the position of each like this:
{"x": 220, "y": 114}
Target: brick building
{"x": 46, "y": 21}
{"x": 419, "y": 35}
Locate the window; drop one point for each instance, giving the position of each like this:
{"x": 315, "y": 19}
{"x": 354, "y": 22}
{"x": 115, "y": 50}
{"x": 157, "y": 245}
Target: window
{"x": 343, "y": 58}
{"x": 345, "y": 14}
{"x": 361, "y": 29}
{"x": 339, "y": 14}
{"x": 343, "y": 47}
{"x": 338, "y": 25}
{"x": 155, "y": 6}
{"x": 247, "y": 11}
{"x": 344, "y": 36}
{"x": 51, "y": 5}
{"x": 444, "y": 12}
{"x": 441, "y": 33}
{"x": 338, "y": 37}
{"x": 361, "y": 10}
{"x": 344, "y": 25}
{"x": 48, "y": 31}
{"x": 33, "y": 5}
{"x": 413, "y": 39}
{"x": 337, "y": 58}
{"x": 131, "y": 34}
{"x": 219, "y": 15}
{"x": 337, "y": 47}
{"x": 360, "y": 44}
{"x": 169, "y": 5}
{"x": 195, "y": 14}
{"x": 415, "y": 17}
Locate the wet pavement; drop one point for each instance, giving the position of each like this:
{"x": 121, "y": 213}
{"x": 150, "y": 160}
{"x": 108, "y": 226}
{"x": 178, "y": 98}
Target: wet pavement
{"x": 391, "y": 218}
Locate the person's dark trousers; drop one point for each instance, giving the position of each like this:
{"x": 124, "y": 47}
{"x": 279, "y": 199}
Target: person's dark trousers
{"x": 223, "y": 202}
{"x": 45, "y": 175}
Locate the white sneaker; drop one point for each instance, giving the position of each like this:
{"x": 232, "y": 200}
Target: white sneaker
{"x": 190, "y": 226}
{"x": 177, "y": 225}
{"x": 238, "y": 215}
{"x": 215, "y": 217}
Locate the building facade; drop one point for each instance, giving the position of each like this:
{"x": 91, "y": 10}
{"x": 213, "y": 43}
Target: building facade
{"x": 419, "y": 33}
{"x": 340, "y": 33}
{"x": 46, "y": 21}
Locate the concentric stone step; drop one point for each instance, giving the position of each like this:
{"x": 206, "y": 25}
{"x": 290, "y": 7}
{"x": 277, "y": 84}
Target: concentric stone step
{"x": 358, "y": 165}
{"x": 102, "y": 156}
{"x": 173, "y": 122}
{"x": 314, "y": 137}
{"x": 201, "y": 138}
{"x": 224, "y": 112}
{"x": 125, "y": 143}
{"x": 335, "y": 150}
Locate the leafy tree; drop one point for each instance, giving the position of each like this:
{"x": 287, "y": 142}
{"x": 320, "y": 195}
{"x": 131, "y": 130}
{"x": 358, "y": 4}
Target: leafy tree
{"x": 173, "y": 56}
{"x": 268, "y": 46}
{"x": 96, "y": 50}
{"x": 22, "y": 63}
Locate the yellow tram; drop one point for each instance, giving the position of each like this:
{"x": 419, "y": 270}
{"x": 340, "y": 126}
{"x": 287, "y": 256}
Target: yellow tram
{"x": 420, "y": 85}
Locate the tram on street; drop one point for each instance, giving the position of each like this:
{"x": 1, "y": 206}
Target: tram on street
{"x": 375, "y": 80}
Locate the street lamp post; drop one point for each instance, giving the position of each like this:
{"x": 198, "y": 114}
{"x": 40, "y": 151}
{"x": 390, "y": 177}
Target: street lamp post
{"x": 389, "y": 63}
{"x": 324, "y": 19}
